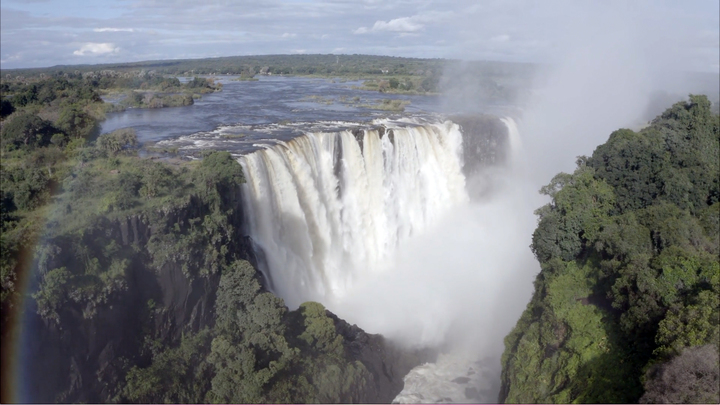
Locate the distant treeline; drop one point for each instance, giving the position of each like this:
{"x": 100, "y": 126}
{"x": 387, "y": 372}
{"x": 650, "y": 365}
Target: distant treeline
{"x": 284, "y": 64}
{"x": 396, "y": 73}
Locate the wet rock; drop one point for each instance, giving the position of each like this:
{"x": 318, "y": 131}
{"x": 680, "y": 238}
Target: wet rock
{"x": 472, "y": 393}
{"x": 461, "y": 380}
{"x": 387, "y": 362}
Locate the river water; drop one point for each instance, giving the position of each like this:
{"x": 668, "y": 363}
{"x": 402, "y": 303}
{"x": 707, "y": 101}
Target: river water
{"x": 273, "y": 107}
{"x": 270, "y": 100}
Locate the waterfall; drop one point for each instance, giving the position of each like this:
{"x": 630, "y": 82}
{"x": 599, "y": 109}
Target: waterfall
{"x": 332, "y": 211}
{"x": 514, "y": 140}
{"x": 327, "y": 208}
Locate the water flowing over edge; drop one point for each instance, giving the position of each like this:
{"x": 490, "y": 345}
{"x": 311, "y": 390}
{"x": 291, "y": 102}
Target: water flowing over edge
{"x": 327, "y": 208}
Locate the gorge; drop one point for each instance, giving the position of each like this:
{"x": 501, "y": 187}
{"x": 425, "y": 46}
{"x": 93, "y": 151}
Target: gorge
{"x": 375, "y": 260}
{"x": 175, "y": 290}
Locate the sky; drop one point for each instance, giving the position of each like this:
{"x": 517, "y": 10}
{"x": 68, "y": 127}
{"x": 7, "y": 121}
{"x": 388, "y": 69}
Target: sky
{"x": 40, "y": 33}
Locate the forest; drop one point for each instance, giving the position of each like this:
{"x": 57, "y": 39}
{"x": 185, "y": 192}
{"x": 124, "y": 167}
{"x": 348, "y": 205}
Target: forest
{"x": 626, "y": 307}
{"x": 139, "y": 288}
{"x": 48, "y": 125}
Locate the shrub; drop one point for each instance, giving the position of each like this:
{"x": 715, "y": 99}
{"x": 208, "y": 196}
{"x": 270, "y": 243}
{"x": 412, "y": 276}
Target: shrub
{"x": 117, "y": 141}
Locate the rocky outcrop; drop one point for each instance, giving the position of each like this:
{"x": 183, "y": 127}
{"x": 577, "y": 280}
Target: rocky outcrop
{"x": 485, "y": 141}
{"x": 84, "y": 351}
{"x": 387, "y": 362}
{"x": 84, "y": 354}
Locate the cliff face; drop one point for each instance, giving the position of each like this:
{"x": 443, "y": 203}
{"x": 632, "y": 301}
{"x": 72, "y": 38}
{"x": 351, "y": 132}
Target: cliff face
{"x": 387, "y": 363}
{"x": 87, "y": 328}
{"x": 485, "y": 141}
{"x": 84, "y": 352}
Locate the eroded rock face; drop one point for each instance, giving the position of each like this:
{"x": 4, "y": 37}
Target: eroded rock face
{"x": 85, "y": 353}
{"x": 387, "y": 362}
{"x": 485, "y": 141}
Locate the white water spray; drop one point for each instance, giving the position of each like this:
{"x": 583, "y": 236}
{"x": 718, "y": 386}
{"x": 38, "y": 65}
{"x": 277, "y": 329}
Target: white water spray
{"x": 381, "y": 230}
{"x": 513, "y": 139}
{"x": 329, "y": 208}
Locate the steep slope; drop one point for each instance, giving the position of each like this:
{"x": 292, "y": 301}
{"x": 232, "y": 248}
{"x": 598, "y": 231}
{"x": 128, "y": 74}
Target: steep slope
{"x": 630, "y": 274}
{"x": 154, "y": 299}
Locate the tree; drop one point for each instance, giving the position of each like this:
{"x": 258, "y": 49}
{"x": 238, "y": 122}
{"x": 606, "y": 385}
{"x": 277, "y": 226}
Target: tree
{"x": 76, "y": 122}
{"x": 117, "y": 141}
{"x": 176, "y": 375}
{"x": 578, "y": 211}
{"x": 26, "y": 131}
{"x": 218, "y": 176}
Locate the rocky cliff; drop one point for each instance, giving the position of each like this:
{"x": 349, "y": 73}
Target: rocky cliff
{"x": 119, "y": 299}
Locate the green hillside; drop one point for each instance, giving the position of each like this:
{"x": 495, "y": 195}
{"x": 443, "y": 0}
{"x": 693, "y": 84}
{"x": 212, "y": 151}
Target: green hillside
{"x": 626, "y": 306}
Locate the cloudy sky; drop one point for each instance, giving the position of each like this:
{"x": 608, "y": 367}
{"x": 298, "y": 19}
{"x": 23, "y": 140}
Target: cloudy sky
{"x": 38, "y": 33}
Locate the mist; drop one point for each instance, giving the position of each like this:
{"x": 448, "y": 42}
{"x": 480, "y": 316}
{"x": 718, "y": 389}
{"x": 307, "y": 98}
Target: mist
{"x": 463, "y": 283}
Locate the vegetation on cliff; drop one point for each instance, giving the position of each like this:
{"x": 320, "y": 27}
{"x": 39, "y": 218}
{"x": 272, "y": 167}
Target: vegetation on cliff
{"x": 247, "y": 347}
{"x": 141, "y": 287}
{"x": 628, "y": 294}
{"x": 257, "y": 352}
{"x": 49, "y": 127}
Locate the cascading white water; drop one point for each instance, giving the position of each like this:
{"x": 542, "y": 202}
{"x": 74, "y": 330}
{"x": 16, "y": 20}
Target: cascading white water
{"x": 513, "y": 138}
{"x": 326, "y": 209}
{"x": 333, "y": 211}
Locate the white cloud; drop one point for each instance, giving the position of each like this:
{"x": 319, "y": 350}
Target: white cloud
{"x": 501, "y": 38}
{"x": 401, "y": 25}
{"x": 404, "y": 24}
{"x": 142, "y": 30}
{"x": 94, "y": 48}
{"x": 110, "y": 29}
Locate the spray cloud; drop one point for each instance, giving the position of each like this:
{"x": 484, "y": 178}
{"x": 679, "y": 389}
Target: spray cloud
{"x": 465, "y": 281}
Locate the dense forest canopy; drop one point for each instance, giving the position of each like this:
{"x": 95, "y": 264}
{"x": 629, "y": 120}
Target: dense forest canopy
{"x": 626, "y": 306}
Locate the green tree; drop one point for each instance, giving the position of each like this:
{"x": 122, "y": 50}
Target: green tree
{"x": 117, "y": 141}
{"x": 218, "y": 177}
{"x": 76, "y": 122}
{"x": 26, "y": 131}
{"x": 176, "y": 375}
